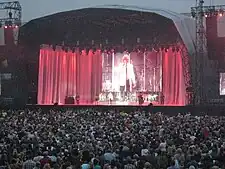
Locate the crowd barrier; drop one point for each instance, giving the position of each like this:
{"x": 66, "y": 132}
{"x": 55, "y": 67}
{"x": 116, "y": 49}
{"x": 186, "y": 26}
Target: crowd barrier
{"x": 211, "y": 110}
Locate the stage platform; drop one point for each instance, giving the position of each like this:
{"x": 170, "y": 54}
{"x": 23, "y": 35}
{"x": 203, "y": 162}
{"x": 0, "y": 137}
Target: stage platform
{"x": 211, "y": 110}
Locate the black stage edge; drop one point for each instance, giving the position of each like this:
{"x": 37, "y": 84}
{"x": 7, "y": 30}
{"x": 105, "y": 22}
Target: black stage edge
{"x": 211, "y": 110}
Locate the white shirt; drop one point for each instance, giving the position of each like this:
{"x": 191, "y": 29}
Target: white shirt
{"x": 162, "y": 147}
{"x": 126, "y": 72}
{"x": 144, "y": 152}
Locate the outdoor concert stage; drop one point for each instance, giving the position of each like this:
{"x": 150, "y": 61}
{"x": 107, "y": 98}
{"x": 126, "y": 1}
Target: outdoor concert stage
{"x": 132, "y": 53}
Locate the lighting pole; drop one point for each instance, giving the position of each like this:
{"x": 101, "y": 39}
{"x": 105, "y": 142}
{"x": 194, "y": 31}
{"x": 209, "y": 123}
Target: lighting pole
{"x": 198, "y": 66}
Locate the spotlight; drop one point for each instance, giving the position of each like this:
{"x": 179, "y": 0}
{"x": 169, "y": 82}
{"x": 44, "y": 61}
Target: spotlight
{"x": 193, "y": 13}
{"x": 122, "y": 41}
{"x": 206, "y": 16}
{"x": 78, "y": 43}
{"x": 173, "y": 49}
{"x": 166, "y": 49}
{"x": 138, "y": 40}
{"x": 221, "y": 12}
{"x": 5, "y": 27}
{"x": 202, "y": 14}
{"x": 17, "y": 23}
{"x": 8, "y": 23}
{"x": 10, "y": 15}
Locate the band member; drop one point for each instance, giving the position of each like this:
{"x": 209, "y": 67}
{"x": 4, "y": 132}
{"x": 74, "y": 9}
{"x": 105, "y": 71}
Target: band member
{"x": 110, "y": 97}
{"x": 126, "y": 75}
{"x": 140, "y": 99}
{"x": 77, "y": 99}
{"x": 96, "y": 99}
{"x": 102, "y": 97}
{"x": 162, "y": 98}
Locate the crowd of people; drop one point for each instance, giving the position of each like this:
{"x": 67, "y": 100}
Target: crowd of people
{"x": 93, "y": 139}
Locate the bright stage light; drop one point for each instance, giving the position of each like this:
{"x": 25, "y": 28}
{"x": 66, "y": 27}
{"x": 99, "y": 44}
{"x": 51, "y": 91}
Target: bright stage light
{"x": 206, "y": 15}
{"x": 138, "y": 40}
{"x": 122, "y": 41}
{"x": 220, "y": 14}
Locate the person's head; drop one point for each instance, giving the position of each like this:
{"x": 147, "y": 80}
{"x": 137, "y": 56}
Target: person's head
{"x": 95, "y": 162}
{"x": 38, "y": 164}
{"x": 47, "y": 166}
{"x": 191, "y": 167}
{"x": 129, "y": 160}
{"x": 147, "y": 165}
{"x": 125, "y": 58}
{"x": 173, "y": 163}
{"x": 75, "y": 152}
{"x": 45, "y": 154}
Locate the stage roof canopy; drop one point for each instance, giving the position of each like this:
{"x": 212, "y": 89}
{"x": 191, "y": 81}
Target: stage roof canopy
{"x": 110, "y": 23}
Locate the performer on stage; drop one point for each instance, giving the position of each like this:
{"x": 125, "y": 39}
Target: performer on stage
{"x": 77, "y": 99}
{"x": 110, "y": 97}
{"x": 126, "y": 76}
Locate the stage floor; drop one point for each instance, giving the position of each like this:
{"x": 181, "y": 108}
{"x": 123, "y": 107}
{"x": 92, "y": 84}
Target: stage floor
{"x": 113, "y": 104}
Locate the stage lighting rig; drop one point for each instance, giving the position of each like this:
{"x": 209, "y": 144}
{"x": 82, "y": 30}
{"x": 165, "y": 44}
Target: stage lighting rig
{"x": 207, "y": 11}
{"x": 200, "y": 55}
{"x": 200, "y": 12}
{"x": 13, "y": 14}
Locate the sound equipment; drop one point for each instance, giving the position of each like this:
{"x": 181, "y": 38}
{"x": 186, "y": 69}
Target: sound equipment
{"x": 69, "y": 100}
{"x": 150, "y": 105}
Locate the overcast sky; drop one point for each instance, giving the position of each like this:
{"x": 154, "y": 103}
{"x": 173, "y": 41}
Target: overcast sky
{"x": 37, "y": 8}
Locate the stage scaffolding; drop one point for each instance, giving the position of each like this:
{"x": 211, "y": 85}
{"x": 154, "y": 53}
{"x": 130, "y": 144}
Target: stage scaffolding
{"x": 13, "y": 13}
{"x": 201, "y": 64}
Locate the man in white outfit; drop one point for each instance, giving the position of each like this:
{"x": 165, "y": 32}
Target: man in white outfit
{"x": 126, "y": 75}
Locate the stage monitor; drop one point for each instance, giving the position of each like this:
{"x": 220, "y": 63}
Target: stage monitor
{"x": 222, "y": 83}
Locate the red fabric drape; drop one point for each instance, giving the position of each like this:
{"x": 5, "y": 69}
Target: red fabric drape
{"x": 69, "y": 73}
{"x": 173, "y": 78}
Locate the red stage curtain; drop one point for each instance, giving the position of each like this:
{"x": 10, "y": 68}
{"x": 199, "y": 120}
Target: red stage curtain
{"x": 173, "y": 78}
{"x": 69, "y": 73}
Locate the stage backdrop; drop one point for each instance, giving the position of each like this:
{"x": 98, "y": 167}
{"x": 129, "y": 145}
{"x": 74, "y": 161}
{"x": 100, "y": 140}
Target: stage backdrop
{"x": 70, "y": 73}
{"x": 174, "y": 88}
{"x": 146, "y": 75}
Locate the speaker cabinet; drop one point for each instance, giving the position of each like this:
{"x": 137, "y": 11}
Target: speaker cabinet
{"x": 69, "y": 100}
